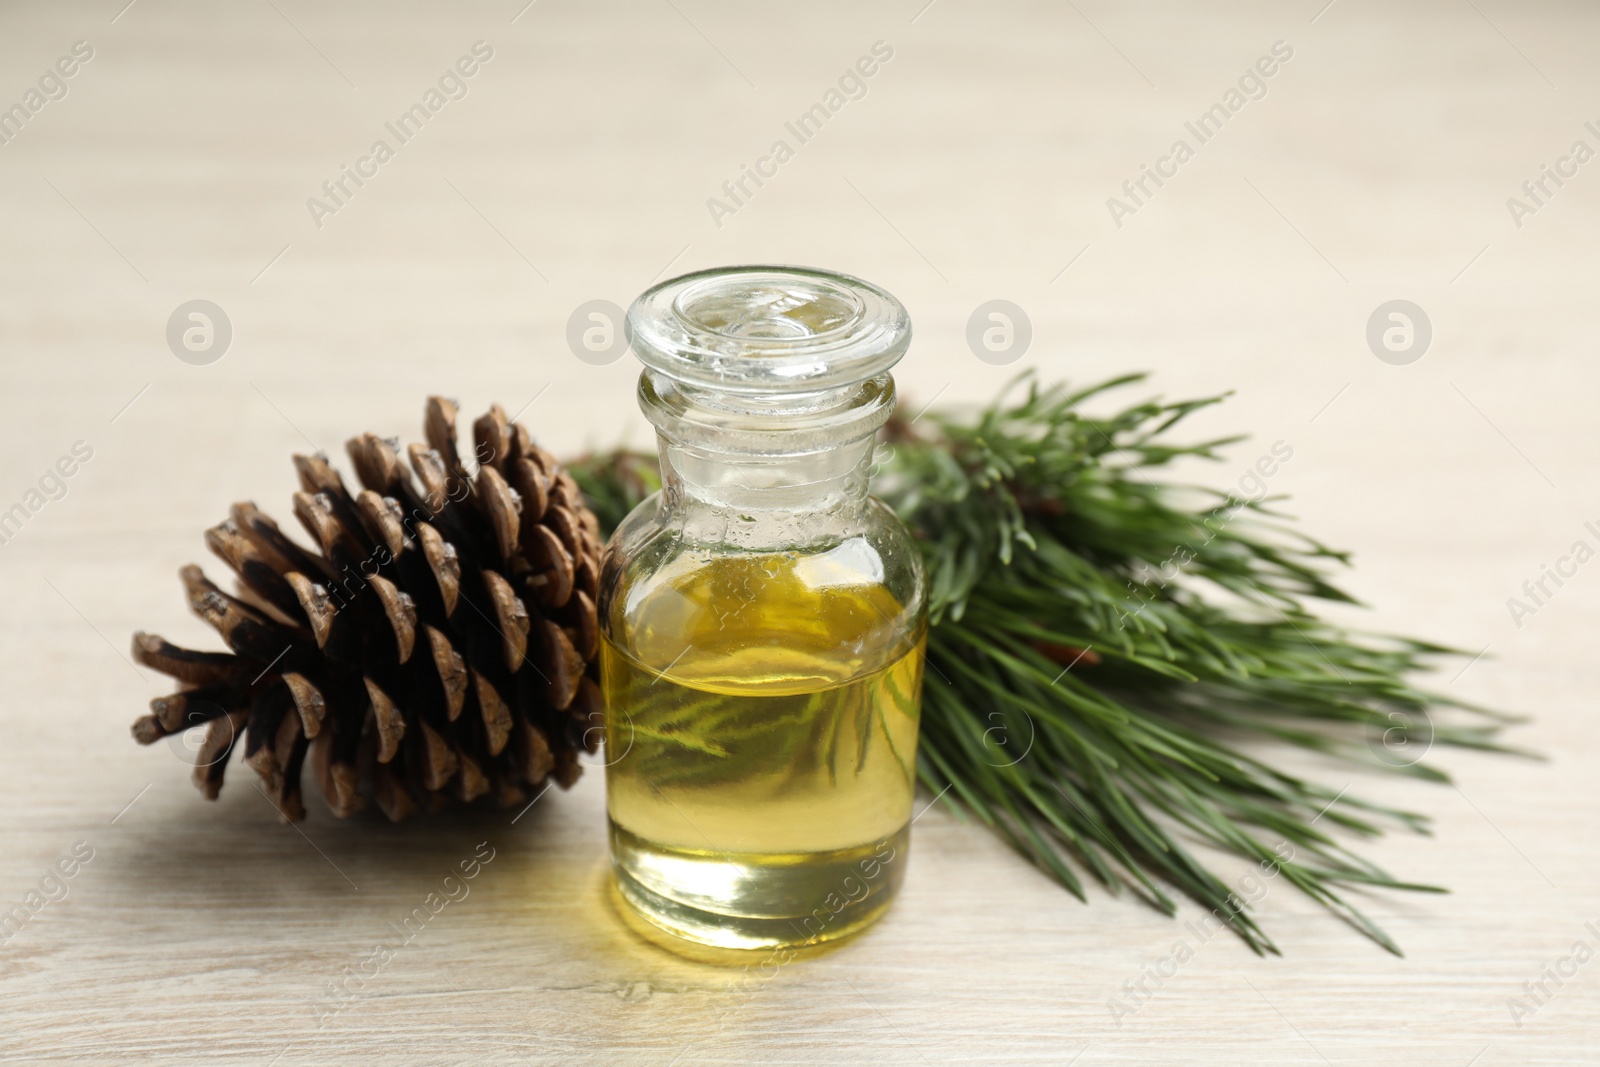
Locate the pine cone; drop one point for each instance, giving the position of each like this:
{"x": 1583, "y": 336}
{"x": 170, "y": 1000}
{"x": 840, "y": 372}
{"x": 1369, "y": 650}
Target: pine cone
{"x": 442, "y": 645}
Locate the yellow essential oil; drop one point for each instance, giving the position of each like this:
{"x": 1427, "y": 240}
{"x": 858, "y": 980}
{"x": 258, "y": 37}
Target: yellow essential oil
{"x": 761, "y": 739}
{"x": 762, "y": 619}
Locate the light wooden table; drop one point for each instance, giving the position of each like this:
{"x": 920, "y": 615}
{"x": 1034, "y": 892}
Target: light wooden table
{"x": 976, "y": 166}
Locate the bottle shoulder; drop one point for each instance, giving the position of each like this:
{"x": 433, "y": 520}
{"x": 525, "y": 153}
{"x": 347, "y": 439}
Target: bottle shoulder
{"x": 652, "y": 531}
{"x": 857, "y": 594}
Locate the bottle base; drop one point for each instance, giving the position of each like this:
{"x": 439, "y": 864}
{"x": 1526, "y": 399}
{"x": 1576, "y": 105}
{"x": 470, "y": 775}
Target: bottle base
{"x": 744, "y": 902}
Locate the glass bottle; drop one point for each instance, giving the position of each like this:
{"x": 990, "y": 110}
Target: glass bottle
{"x": 763, "y": 618}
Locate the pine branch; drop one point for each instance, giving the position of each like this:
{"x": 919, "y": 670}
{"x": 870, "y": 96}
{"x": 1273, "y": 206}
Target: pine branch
{"x": 1104, "y": 643}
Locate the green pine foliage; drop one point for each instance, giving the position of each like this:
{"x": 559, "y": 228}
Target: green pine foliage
{"x": 1106, "y": 644}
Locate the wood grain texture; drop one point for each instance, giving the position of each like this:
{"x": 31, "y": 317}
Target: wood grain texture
{"x": 977, "y": 165}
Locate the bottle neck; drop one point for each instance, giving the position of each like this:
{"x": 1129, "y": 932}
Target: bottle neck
{"x": 763, "y": 472}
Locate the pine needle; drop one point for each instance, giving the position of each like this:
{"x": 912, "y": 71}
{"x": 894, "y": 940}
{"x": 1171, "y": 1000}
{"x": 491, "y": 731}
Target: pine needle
{"x": 1104, "y": 644}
